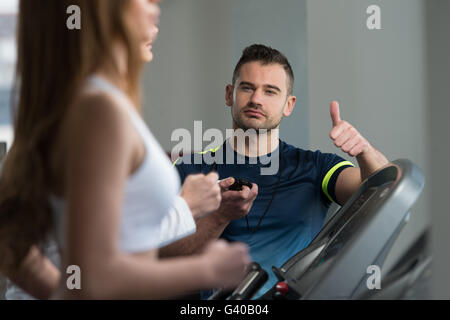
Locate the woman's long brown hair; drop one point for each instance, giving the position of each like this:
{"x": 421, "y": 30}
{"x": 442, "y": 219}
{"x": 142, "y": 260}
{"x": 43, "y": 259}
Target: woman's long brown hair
{"x": 53, "y": 64}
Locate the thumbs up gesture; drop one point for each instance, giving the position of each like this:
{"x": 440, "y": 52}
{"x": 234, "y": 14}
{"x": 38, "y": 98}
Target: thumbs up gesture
{"x": 344, "y": 135}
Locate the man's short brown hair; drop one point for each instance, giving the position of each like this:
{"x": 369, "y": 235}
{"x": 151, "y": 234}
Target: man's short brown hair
{"x": 265, "y": 55}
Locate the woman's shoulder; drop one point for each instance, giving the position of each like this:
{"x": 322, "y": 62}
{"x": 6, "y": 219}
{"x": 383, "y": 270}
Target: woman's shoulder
{"x": 96, "y": 105}
{"x": 99, "y": 119}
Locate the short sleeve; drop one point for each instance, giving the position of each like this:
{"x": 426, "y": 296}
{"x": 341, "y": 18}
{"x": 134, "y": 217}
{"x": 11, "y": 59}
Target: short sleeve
{"x": 330, "y": 166}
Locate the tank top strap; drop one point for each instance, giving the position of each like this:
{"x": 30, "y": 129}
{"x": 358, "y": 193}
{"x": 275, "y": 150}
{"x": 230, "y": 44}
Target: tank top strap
{"x": 106, "y": 86}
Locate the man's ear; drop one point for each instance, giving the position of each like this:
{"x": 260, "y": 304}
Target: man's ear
{"x": 229, "y": 92}
{"x": 289, "y": 107}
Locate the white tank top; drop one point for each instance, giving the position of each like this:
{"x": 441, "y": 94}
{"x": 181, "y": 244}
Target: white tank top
{"x": 149, "y": 192}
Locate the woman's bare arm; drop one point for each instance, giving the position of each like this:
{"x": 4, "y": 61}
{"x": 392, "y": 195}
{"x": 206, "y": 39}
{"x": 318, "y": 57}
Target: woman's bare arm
{"x": 103, "y": 145}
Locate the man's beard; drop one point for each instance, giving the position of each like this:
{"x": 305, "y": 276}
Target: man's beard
{"x": 240, "y": 122}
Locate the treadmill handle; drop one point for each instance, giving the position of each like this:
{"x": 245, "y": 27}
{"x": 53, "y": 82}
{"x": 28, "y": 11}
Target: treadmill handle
{"x": 254, "y": 280}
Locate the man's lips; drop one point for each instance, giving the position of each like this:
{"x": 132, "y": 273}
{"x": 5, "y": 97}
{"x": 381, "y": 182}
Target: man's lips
{"x": 253, "y": 112}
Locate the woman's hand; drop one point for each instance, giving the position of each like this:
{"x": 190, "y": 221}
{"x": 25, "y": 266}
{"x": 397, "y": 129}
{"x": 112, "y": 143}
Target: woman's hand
{"x": 226, "y": 264}
{"x": 202, "y": 194}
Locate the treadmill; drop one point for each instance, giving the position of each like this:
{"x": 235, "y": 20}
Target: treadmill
{"x": 361, "y": 234}
{"x": 410, "y": 278}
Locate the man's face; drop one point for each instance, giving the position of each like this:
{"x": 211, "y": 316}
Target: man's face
{"x": 259, "y": 98}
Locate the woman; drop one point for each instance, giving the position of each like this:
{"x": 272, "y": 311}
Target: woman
{"x": 83, "y": 154}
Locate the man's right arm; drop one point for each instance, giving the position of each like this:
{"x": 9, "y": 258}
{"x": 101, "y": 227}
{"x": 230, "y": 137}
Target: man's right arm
{"x": 234, "y": 205}
{"x": 208, "y": 228}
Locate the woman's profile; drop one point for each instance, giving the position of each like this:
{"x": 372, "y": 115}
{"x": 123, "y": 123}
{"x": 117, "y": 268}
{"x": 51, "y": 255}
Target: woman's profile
{"x": 84, "y": 164}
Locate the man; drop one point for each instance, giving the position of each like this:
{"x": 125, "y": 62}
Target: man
{"x": 283, "y": 211}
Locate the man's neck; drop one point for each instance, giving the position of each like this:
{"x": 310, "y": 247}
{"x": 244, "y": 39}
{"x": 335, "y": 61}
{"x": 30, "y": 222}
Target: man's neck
{"x": 255, "y": 144}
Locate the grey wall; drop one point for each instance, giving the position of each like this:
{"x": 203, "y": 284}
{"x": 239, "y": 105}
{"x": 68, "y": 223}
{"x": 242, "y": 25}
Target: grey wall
{"x": 379, "y": 77}
{"x": 187, "y": 79}
{"x": 281, "y": 25}
{"x": 200, "y": 42}
{"x": 438, "y": 22}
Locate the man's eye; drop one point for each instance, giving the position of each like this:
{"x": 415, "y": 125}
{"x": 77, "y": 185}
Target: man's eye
{"x": 246, "y": 88}
{"x": 270, "y": 92}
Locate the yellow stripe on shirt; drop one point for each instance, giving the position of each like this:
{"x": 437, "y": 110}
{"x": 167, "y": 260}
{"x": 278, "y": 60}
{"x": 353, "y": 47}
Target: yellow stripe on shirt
{"x": 330, "y": 174}
{"x": 203, "y": 152}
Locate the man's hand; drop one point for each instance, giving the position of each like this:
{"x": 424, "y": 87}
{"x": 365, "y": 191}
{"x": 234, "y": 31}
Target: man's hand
{"x": 235, "y": 204}
{"x": 349, "y": 140}
{"x": 345, "y": 136}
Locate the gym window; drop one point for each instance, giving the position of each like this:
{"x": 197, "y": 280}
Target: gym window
{"x": 8, "y": 20}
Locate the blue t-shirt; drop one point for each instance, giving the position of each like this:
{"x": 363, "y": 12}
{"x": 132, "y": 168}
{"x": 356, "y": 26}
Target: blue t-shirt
{"x": 304, "y": 192}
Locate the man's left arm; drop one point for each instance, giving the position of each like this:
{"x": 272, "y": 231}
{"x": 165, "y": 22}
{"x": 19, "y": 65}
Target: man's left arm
{"x": 350, "y": 141}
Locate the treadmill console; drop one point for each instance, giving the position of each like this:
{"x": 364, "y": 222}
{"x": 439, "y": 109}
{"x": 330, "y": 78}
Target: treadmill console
{"x": 359, "y": 235}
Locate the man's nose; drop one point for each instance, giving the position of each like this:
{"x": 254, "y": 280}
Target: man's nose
{"x": 257, "y": 97}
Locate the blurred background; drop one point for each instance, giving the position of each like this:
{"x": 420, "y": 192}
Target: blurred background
{"x": 392, "y": 83}
{"x": 8, "y": 10}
